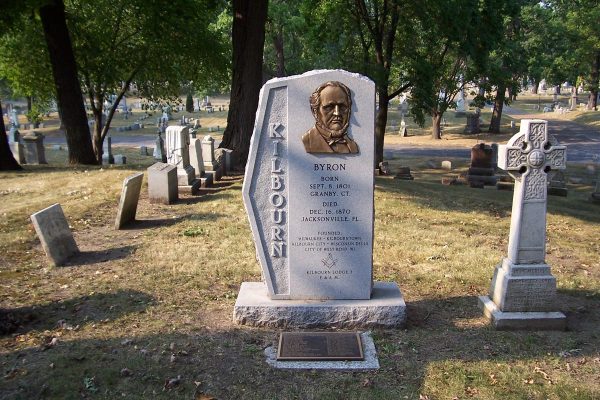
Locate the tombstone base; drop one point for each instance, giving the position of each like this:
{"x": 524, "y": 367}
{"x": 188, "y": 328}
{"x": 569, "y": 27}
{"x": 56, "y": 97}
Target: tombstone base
{"x": 521, "y": 320}
{"x": 192, "y": 188}
{"x": 185, "y": 176}
{"x": 206, "y": 181}
{"x": 385, "y": 309}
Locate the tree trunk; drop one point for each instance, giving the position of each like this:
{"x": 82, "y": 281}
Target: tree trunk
{"x": 29, "y": 103}
{"x": 97, "y": 134}
{"x": 380, "y": 122}
{"x": 68, "y": 90}
{"x": 248, "y": 36}
{"x": 497, "y": 113}
{"x": 7, "y": 160}
{"x": 594, "y": 83}
{"x": 557, "y": 89}
{"x": 536, "y": 84}
{"x": 436, "y": 122}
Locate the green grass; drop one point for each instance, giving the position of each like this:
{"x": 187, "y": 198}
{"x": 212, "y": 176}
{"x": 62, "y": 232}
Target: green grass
{"x": 157, "y": 298}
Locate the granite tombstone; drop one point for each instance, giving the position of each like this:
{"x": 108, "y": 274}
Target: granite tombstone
{"x": 308, "y": 191}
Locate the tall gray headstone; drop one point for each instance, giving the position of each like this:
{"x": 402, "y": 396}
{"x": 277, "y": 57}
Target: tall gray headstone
{"x": 53, "y": 230}
{"x": 211, "y": 167}
{"x": 130, "y": 195}
{"x": 178, "y": 153}
{"x": 523, "y": 290}
{"x": 107, "y": 155}
{"x": 308, "y": 191}
{"x": 196, "y": 160}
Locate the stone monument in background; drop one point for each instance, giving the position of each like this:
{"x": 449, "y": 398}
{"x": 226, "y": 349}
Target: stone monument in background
{"x": 308, "y": 191}
{"x": 523, "y": 290}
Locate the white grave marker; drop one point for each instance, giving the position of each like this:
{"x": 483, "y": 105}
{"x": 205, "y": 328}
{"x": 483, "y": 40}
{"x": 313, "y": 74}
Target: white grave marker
{"x": 523, "y": 290}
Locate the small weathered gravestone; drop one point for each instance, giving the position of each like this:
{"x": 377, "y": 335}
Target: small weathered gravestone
{"x": 130, "y": 195}
{"x": 53, "y": 230}
{"x": 558, "y": 184}
{"x": 34, "y": 148}
{"x": 162, "y": 183}
{"x": 308, "y": 191}
{"x": 523, "y": 290}
{"x": 404, "y": 174}
{"x": 143, "y": 151}
{"x": 120, "y": 159}
{"x": 403, "y": 130}
{"x": 472, "y": 126}
{"x": 447, "y": 165}
{"x": 159, "y": 149}
{"x": 384, "y": 168}
{"x": 178, "y": 154}
{"x": 481, "y": 172}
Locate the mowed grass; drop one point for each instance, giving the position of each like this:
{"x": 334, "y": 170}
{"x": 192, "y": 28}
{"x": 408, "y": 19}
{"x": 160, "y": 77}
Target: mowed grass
{"x": 146, "y": 312}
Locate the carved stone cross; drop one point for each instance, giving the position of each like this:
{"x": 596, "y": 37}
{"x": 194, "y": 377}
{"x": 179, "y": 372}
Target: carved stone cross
{"x": 523, "y": 290}
{"x": 528, "y": 157}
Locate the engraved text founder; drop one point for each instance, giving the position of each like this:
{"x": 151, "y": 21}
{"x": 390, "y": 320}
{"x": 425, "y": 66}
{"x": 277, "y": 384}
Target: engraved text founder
{"x": 330, "y": 104}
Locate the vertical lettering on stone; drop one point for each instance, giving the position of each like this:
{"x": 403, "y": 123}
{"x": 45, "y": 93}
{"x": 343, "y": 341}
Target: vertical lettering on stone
{"x": 269, "y": 188}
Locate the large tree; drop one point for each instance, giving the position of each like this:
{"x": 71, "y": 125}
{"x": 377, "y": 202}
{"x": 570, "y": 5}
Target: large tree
{"x": 68, "y": 91}
{"x": 248, "y": 37}
{"x": 453, "y": 38}
{"x": 160, "y": 46}
{"x": 581, "y": 18}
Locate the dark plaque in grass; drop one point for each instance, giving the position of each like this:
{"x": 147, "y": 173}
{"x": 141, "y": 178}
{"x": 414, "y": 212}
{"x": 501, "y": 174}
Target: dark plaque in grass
{"x": 319, "y": 346}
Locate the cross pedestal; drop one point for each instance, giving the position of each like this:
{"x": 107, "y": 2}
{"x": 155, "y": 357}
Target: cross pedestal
{"x": 523, "y": 290}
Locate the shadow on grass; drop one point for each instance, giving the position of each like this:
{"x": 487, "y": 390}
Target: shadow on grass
{"x": 462, "y": 198}
{"x": 229, "y": 363}
{"x": 68, "y": 314}
{"x": 207, "y": 195}
{"x": 88, "y": 257}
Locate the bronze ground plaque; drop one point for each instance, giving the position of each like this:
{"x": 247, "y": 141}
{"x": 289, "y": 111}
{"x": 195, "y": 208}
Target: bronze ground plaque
{"x": 319, "y": 346}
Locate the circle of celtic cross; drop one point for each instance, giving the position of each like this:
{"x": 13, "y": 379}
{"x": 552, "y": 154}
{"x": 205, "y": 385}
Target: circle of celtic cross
{"x": 536, "y": 158}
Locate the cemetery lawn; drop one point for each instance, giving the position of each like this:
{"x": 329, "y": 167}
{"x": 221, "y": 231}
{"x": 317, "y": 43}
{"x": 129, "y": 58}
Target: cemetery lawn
{"x": 146, "y": 312}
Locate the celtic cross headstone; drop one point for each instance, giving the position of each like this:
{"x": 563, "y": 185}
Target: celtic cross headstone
{"x": 523, "y": 290}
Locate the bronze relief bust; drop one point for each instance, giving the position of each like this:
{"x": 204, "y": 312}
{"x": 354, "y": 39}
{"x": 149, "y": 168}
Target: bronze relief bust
{"x": 330, "y": 104}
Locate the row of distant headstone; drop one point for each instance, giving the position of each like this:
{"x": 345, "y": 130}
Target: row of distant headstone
{"x": 483, "y": 171}
{"x": 187, "y": 164}
{"x": 191, "y": 164}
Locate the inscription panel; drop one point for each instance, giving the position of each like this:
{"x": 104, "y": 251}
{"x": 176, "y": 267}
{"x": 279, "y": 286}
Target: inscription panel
{"x": 308, "y": 187}
{"x": 320, "y": 346}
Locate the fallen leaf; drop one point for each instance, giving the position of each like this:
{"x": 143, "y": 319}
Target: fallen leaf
{"x": 202, "y": 396}
{"x": 126, "y": 372}
{"x": 493, "y": 379}
{"x": 544, "y": 374}
{"x": 172, "y": 383}
{"x": 367, "y": 383}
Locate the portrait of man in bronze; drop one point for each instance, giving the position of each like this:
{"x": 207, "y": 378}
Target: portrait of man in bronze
{"x": 330, "y": 104}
